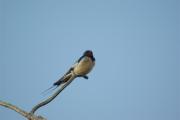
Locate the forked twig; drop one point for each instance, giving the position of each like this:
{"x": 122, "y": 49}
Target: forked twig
{"x": 21, "y": 112}
{"x": 30, "y": 115}
{"x": 48, "y": 100}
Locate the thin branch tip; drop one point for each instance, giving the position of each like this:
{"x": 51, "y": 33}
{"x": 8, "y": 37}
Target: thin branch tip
{"x": 48, "y": 100}
{"x": 30, "y": 115}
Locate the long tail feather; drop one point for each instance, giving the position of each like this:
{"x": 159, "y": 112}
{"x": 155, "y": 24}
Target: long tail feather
{"x": 52, "y": 88}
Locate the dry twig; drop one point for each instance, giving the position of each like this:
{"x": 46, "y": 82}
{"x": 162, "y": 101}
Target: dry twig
{"x": 30, "y": 115}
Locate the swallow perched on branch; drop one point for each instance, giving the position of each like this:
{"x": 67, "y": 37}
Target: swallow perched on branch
{"x": 80, "y": 69}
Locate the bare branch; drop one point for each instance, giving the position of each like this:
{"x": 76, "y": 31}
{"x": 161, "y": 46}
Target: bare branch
{"x": 13, "y": 107}
{"x": 48, "y": 100}
{"x": 21, "y": 112}
{"x": 30, "y": 115}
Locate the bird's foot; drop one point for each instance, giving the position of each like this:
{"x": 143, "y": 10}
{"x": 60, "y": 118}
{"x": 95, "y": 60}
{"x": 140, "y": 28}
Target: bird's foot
{"x": 84, "y": 76}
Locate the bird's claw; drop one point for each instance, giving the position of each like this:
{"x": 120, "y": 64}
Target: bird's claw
{"x": 84, "y": 76}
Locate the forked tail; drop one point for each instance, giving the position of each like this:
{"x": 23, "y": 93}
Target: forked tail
{"x": 52, "y": 88}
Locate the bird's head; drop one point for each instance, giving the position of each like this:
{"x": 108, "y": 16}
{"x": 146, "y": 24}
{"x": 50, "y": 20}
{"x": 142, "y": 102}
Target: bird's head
{"x": 88, "y": 53}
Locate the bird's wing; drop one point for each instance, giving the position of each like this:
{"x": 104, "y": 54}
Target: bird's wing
{"x": 66, "y": 76}
{"x": 80, "y": 59}
{"x": 61, "y": 80}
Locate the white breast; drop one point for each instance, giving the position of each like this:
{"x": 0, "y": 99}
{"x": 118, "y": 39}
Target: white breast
{"x": 84, "y": 66}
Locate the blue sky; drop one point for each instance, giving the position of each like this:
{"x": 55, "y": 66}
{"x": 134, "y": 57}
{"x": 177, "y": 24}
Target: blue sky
{"x": 135, "y": 43}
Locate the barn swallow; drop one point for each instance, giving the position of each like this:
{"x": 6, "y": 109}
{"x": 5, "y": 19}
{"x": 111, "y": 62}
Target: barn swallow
{"x": 80, "y": 69}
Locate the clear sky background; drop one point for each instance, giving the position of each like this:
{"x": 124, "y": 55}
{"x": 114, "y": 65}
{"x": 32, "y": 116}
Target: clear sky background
{"x": 137, "y": 48}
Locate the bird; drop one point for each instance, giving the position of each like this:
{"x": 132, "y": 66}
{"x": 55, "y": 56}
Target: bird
{"x": 79, "y": 69}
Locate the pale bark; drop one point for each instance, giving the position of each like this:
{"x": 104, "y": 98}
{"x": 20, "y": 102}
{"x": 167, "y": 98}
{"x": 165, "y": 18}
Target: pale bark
{"x": 30, "y": 115}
